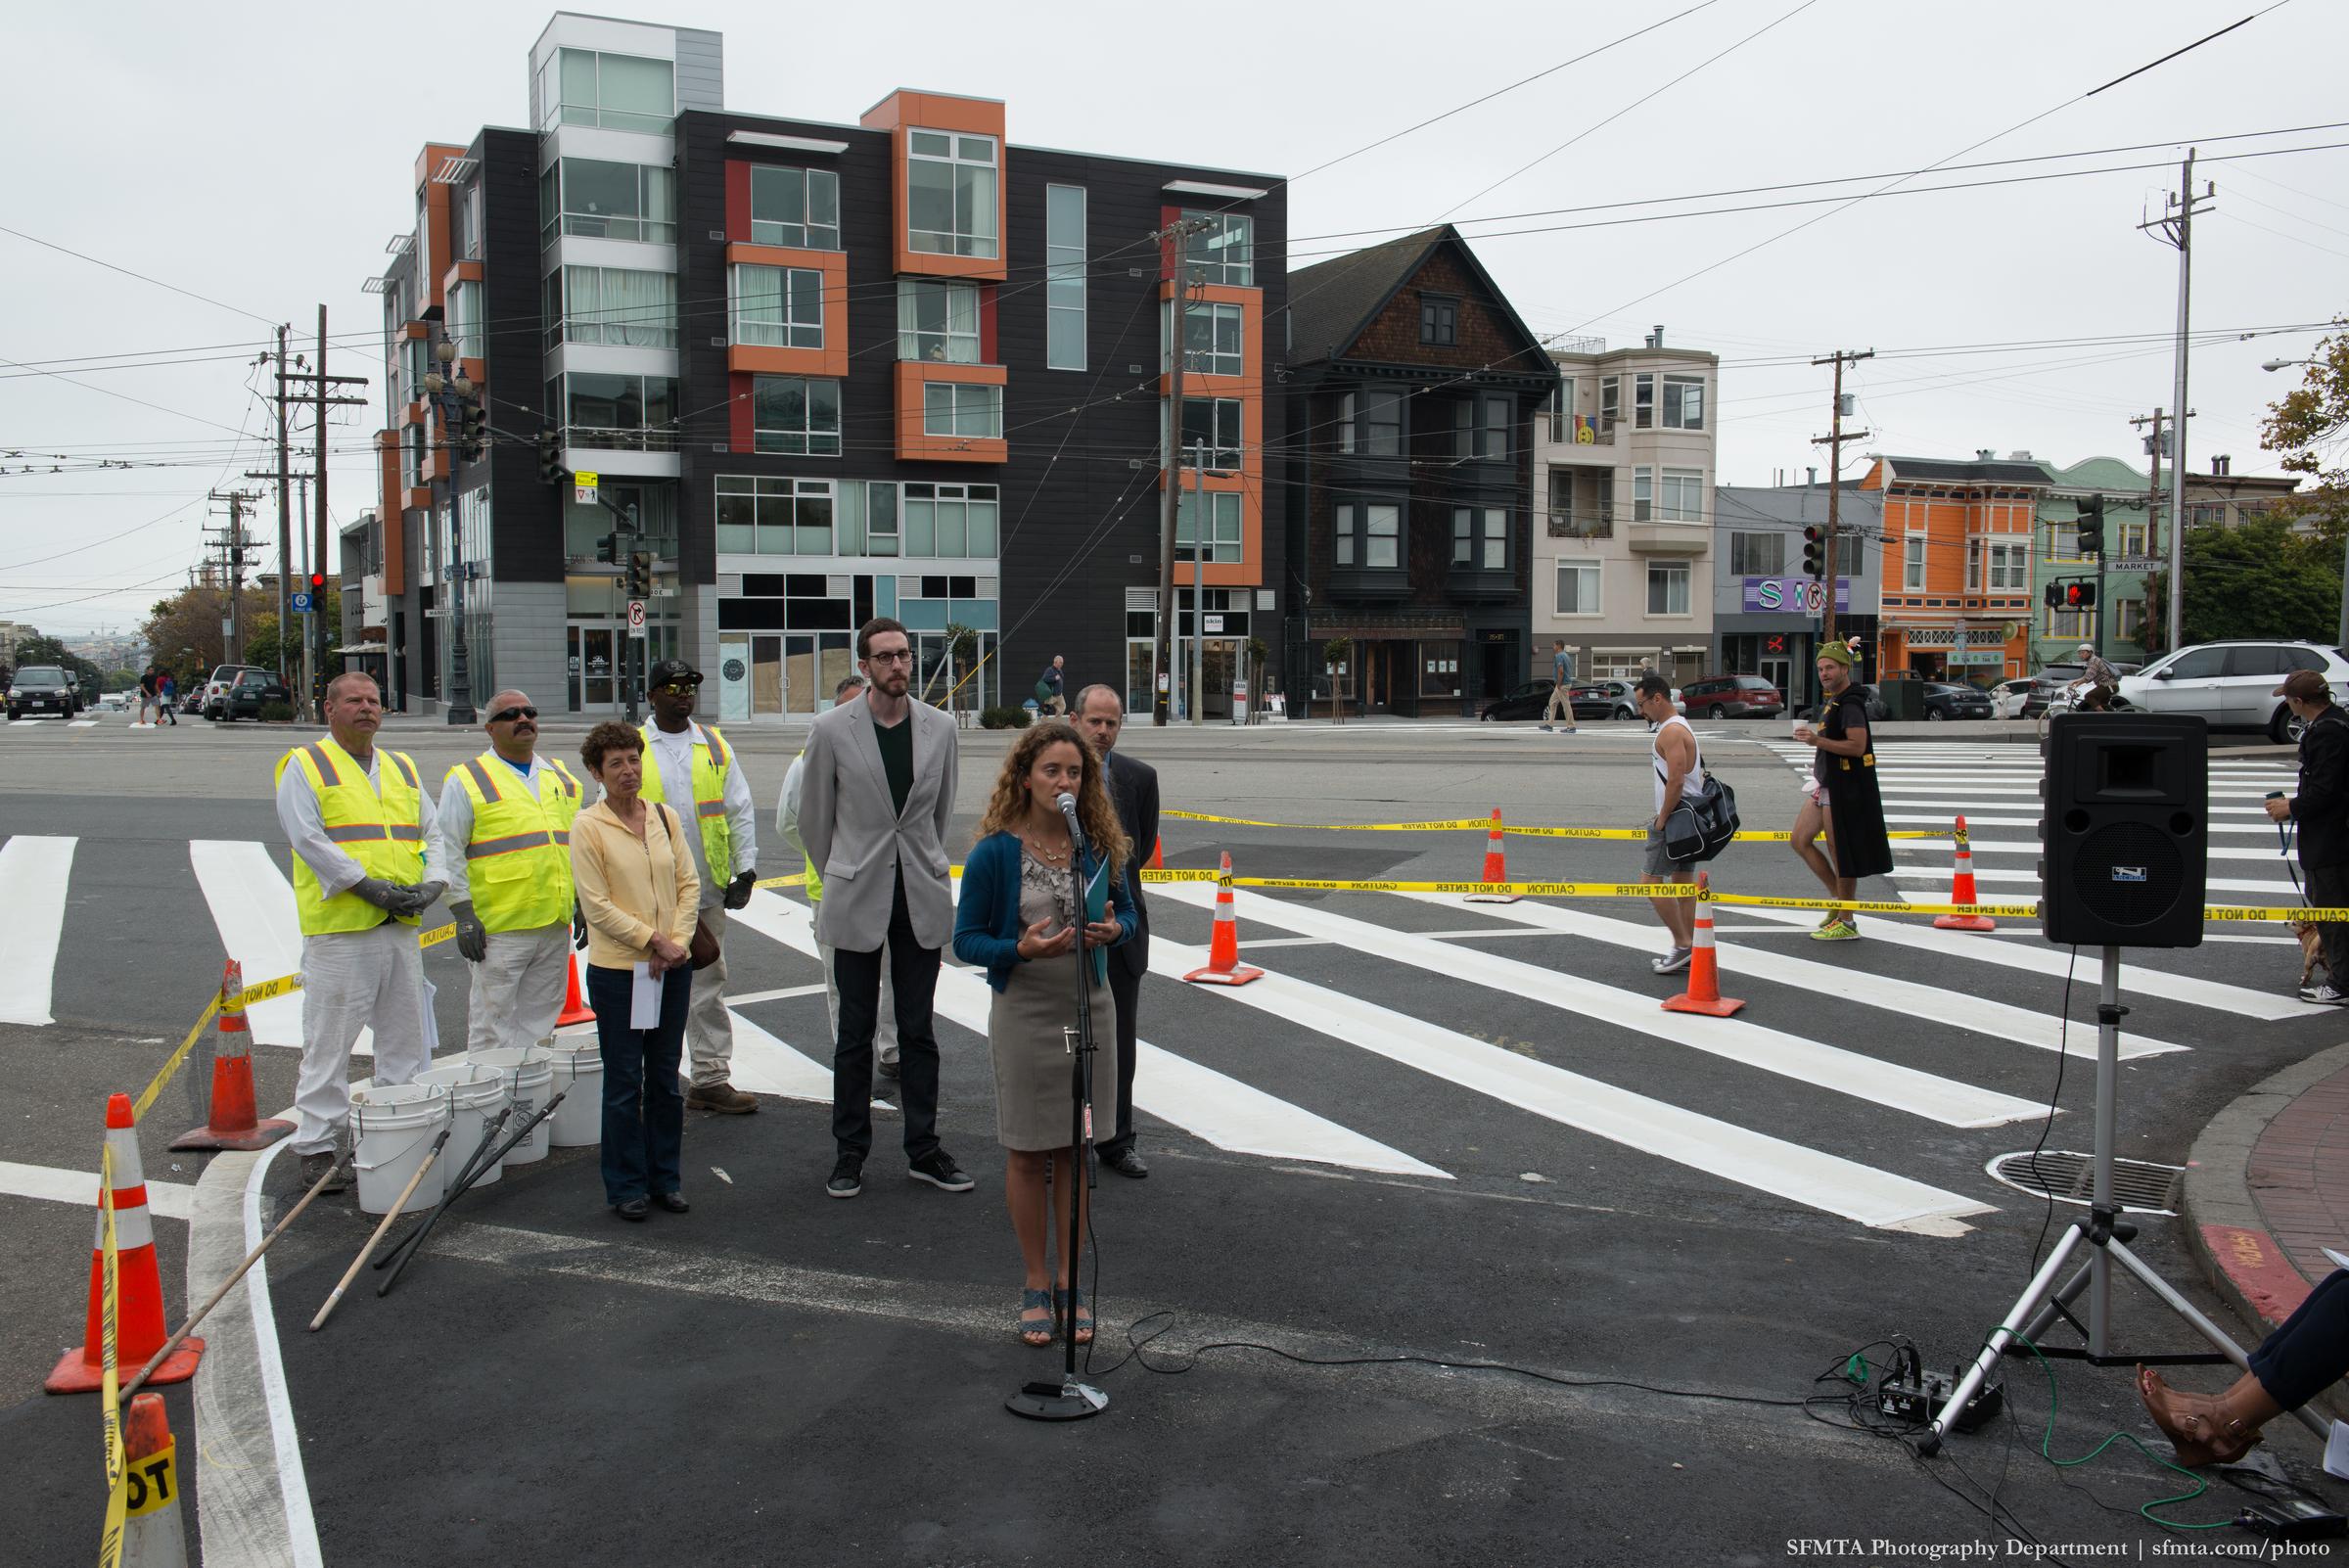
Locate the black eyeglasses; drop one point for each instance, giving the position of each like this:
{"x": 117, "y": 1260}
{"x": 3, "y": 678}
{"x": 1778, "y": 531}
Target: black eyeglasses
{"x": 904, "y": 655}
{"x": 504, "y": 715}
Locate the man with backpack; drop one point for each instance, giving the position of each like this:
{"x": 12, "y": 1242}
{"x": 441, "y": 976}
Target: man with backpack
{"x": 1679, "y": 777}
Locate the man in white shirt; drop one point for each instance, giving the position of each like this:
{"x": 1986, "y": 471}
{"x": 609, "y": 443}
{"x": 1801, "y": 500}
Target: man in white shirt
{"x": 367, "y": 863}
{"x": 694, "y": 772}
{"x": 1680, "y": 775}
{"x": 787, "y": 819}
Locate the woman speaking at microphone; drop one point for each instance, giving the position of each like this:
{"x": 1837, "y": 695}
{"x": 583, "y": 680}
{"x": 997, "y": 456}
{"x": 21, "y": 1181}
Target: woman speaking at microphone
{"x": 1025, "y": 892}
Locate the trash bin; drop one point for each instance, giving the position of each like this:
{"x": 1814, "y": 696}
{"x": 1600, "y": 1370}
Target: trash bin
{"x": 1903, "y": 700}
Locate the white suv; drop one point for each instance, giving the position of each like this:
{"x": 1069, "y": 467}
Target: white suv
{"x": 2231, "y": 685}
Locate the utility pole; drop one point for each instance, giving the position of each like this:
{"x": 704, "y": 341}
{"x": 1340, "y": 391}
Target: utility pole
{"x": 232, "y": 553}
{"x": 2176, "y": 229}
{"x": 1197, "y": 702}
{"x": 1177, "y": 321}
{"x": 284, "y": 522}
{"x": 2152, "y": 496}
{"x": 1833, "y": 442}
{"x": 314, "y": 638}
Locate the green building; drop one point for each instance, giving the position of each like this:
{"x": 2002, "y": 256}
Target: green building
{"x": 2135, "y": 542}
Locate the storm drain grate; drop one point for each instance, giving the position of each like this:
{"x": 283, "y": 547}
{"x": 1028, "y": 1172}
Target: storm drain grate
{"x": 2142, "y": 1186}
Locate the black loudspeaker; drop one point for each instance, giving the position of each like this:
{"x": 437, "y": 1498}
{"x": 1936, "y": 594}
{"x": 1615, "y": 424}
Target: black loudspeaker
{"x": 2124, "y": 830}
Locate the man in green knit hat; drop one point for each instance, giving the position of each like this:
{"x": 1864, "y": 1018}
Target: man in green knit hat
{"x": 1845, "y": 800}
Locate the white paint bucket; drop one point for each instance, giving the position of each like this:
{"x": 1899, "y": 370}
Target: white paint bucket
{"x": 476, "y": 1095}
{"x": 530, "y": 1070}
{"x": 579, "y": 1078}
{"x": 392, "y": 1128}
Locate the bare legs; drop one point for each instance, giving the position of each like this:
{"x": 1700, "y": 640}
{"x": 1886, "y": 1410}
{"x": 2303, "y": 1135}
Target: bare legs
{"x": 1678, "y": 914}
{"x": 2207, "y": 1430}
{"x": 1809, "y": 825}
{"x": 1026, "y": 1195}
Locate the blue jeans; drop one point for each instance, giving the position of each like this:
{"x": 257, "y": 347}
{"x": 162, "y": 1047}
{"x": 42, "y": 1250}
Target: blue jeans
{"x": 644, "y": 1108}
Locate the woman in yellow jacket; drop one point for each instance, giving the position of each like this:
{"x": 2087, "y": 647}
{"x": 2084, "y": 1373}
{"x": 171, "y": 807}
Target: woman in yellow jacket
{"x": 642, "y": 898}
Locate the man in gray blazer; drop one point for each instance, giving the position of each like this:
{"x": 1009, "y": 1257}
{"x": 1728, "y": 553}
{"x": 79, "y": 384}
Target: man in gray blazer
{"x": 874, "y": 805}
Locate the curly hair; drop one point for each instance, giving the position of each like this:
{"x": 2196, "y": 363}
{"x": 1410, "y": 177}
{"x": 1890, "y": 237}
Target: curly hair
{"x": 1008, "y": 805}
{"x": 609, "y": 736}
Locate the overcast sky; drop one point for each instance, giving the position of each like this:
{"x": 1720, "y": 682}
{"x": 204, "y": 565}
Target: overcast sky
{"x": 261, "y": 157}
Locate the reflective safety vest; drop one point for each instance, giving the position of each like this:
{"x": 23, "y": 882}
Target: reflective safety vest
{"x": 517, "y": 859}
{"x": 814, "y": 878}
{"x": 385, "y": 835}
{"x": 710, "y": 760}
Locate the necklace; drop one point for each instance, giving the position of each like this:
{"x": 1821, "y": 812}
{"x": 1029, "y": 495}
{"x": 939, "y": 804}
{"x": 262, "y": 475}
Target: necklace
{"x": 1048, "y": 857}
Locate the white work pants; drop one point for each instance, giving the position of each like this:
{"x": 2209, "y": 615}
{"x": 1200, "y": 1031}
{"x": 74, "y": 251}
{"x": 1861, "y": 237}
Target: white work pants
{"x": 709, "y": 1027}
{"x": 518, "y": 988}
{"x": 885, "y": 1032}
{"x": 354, "y": 980}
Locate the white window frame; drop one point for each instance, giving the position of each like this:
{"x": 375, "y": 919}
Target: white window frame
{"x": 959, "y": 341}
{"x": 1207, "y": 255}
{"x": 1973, "y": 566}
{"x": 1681, "y": 496}
{"x": 1912, "y": 565}
{"x": 2010, "y": 566}
{"x": 1643, "y": 400}
{"x": 795, "y": 317}
{"x": 1588, "y": 573}
{"x": 655, "y": 185}
{"x": 1219, "y": 316}
{"x": 811, "y": 235}
{"x": 1610, "y": 402}
{"x": 465, "y": 317}
{"x": 1643, "y": 494}
{"x": 963, "y": 409}
{"x": 1681, "y": 395}
{"x": 1226, "y": 542}
{"x": 980, "y": 239}
{"x": 1063, "y": 277}
{"x": 554, "y": 108}
{"x": 1671, "y": 576}
{"x": 602, "y": 324}
{"x": 980, "y": 504}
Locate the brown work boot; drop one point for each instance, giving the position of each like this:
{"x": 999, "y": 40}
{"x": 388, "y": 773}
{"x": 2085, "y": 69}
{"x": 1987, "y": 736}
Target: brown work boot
{"x": 315, "y": 1166}
{"x": 724, "y": 1098}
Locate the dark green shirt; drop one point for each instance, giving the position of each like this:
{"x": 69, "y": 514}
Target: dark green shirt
{"x": 897, "y": 757}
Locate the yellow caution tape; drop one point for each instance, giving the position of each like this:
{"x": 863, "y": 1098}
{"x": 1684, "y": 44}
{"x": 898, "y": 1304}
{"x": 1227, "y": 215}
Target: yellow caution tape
{"x": 109, "y": 1404}
{"x": 151, "y": 1482}
{"x": 2227, "y": 912}
{"x": 1485, "y": 825}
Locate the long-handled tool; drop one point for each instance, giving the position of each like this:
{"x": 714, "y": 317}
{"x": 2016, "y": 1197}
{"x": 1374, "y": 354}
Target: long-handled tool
{"x": 432, "y": 1154}
{"x": 477, "y": 1161}
{"x": 416, "y": 1237}
{"x": 164, "y": 1353}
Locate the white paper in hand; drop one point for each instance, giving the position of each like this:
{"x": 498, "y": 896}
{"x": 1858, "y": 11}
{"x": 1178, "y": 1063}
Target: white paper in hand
{"x": 644, "y": 1001}
{"x": 2336, "y": 1450}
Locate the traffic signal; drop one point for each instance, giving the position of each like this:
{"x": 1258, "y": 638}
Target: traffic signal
{"x": 473, "y": 429}
{"x": 2079, "y": 596}
{"x": 550, "y": 463}
{"x": 1815, "y": 552}
{"x": 640, "y": 576}
{"x": 2091, "y": 525}
{"x": 2053, "y": 593}
{"x": 607, "y": 549}
{"x": 317, "y": 585}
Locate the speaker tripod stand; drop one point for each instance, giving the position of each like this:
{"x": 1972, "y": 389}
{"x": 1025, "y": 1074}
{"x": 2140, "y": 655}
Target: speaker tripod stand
{"x": 2106, "y": 1236}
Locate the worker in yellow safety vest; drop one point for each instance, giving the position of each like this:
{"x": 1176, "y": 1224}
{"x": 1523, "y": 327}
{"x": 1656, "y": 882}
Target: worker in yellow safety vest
{"x": 505, "y": 836}
{"x": 787, "y": 820}
{"x": 692, "y": 769}
{"x": 367, "y": 864}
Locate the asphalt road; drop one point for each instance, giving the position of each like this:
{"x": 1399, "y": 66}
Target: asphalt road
{"x": 791, "y": 1379}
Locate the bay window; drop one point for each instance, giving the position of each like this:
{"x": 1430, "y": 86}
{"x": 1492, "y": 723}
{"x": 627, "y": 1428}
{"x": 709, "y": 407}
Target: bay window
{"x": 778, "y": 307}
{"x": 615, "y": 306}
{"x": 465, "y": 318}
{"x": 1366, "y": 535}
{"x": 1480, "y": 537}
{"x": 615, "y": 413}
{"x": 1682, "y": 499}
{"x": 950, "y": 194}
{"x": 1684, "y": 403}
{"x": 798, "y": 208}
{"x": 938, "y": 321}
{"x": 598, "y": 200}
{"x": 1210, "y": 338}
{"x": 1481, "y": 426}
{"x": 1610, "y": 402}
{"x": 794, "y": 414}
{"x": 1224, "y": 251}
{"x": 962, "y": 408}
{"x": 1643, "y": 401}
{"x": 1370, "y": 423}
{"x": 618, "y": 92}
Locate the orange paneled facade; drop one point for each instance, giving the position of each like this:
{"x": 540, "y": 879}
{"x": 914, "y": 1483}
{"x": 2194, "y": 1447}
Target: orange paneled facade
{"x": 1957, "y": 541}
{"x": 1249, "y": 388}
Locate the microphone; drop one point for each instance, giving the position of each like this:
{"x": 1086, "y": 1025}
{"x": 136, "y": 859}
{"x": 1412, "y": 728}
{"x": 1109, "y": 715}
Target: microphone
{"x": 1068, "y": 810}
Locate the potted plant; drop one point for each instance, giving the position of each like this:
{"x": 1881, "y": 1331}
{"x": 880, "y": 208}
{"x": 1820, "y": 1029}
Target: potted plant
{"x": 1333, "y": 658}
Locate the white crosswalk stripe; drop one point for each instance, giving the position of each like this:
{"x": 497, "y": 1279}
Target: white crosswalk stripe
{"x": 252, "y": 908}
{"x": 34, "y": 873}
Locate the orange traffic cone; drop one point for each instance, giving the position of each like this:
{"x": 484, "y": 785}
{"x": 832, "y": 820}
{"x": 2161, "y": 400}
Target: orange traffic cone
{"x": 574, "y": 1006}
{"x": 1223, "y": 966}
{"x": 1703, "y": 994}
{"x": 1495, "y": 866}
{"x": 1158, "y": 855}
{"x": 139, "y": 1329}
{"x": 235, "y": 1120}
{"x": 153, "y": 1536}
{"x": 1962, "y": 890}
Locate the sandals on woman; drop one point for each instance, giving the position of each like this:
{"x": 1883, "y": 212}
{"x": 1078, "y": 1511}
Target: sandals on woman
{"x": 1081, "y": 1321}
{"x": 1034, "y": 1333}
{"x": 2195, "y": 1425}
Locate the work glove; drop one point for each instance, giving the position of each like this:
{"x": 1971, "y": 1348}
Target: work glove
{"x": 738, "y": 892}
{"x": 425, "y": 894}
{"x": 386, "y": 896}
{"x": 473, "y": 938}
{"x": 578, "y": 925}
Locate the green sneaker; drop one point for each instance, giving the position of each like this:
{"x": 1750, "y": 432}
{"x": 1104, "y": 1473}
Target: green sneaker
{"x": 1836, "y": 931}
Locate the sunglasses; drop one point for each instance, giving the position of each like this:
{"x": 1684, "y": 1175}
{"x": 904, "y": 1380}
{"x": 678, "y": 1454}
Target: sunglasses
{"x": 506, "y": 715}
{"x": 678, "y": 688}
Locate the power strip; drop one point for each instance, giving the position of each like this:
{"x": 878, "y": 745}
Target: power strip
{"x": 1923, "y": 1397}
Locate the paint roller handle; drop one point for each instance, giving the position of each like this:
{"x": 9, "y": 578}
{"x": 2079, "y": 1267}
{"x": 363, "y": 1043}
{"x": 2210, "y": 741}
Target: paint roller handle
{"x": 406, "y": 1192}
{"x": 463, "y": 1178}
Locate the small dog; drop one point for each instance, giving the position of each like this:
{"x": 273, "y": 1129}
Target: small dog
{"x": 2312, "y": 952}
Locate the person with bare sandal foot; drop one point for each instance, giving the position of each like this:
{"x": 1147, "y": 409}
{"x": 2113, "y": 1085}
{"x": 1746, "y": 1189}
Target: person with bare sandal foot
{"x": 2308, "y": 1354}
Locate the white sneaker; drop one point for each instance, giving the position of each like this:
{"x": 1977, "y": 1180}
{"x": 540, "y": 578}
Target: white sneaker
{"x": 2323, "y": 995}
{"x": 1671, "y": 963}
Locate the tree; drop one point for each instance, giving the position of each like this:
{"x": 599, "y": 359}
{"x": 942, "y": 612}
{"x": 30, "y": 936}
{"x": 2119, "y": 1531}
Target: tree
{"x": 2258, "y": 579}
{"x": 191, "y": 620}
{"x": 37, "y": 651}
{"x": 2310, "y": 425}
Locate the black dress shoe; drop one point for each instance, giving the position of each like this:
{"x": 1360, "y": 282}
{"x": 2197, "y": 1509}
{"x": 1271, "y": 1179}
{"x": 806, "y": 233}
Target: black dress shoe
{"x": 633, "y": 1209}
{"x": 1127, "y": 1163}
{"x": 673, "y": 1202}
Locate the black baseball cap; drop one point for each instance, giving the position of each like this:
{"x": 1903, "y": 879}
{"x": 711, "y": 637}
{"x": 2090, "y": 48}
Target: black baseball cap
{"x": 670, "y": 670}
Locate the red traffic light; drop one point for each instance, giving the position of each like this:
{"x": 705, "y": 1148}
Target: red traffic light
{"x": 317, "y": 579}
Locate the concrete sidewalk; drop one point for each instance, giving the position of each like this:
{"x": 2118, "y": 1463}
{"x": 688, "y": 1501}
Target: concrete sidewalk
{"x": 2267, "y": 1189}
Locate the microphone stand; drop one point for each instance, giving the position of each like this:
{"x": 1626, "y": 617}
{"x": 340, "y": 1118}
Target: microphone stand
{"x": 1069, "y": 1400}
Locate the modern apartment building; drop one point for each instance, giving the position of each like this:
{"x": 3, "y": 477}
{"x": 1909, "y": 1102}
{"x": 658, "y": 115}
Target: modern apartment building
{"x": 1958, "y": 595}
{"x": 904, "y": 367}
{"x": 1412, "y": 386}
{"x": 1622, "y": 561}
{"x": 1758, "y": 578}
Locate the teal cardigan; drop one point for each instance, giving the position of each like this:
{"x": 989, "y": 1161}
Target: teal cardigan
{"x": 986, "y": 917}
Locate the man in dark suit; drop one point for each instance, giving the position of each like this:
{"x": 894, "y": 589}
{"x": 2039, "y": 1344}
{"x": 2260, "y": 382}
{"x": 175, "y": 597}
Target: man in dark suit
{"x": 1133, "y": 786}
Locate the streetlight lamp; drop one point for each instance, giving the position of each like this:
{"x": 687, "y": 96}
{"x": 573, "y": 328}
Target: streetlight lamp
{"x": 2282, "y": 364}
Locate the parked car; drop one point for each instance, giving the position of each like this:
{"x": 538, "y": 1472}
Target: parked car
{"x": 115, "y": 702}
{"x": 2231, "y": 685}
{"x": 249, "y": 693}
{"x": 1523, "y": 702}
{"x": 2050, "y": 682}
{"x": 1604, "y": 699}
{"x": 44, "y": 689}
{"x": 2009, "y": 697}
{"x": 192, "y": 702}
{"x": 215, "y": 687}
{"x": 1950, "y": 700}
{"x": 1733, "y": 697}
